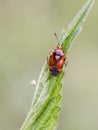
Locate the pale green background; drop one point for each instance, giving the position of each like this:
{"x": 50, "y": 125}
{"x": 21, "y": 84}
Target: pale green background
{"x": 26, "y": 38}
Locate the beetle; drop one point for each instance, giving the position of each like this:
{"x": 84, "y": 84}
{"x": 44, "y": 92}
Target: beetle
{"x": 56, "y": 60}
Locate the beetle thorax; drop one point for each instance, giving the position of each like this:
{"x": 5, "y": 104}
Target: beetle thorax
{"x": 58, "y": 54}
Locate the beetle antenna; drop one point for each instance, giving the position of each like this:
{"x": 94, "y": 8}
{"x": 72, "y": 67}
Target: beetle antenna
{"x": 56, "y": 38}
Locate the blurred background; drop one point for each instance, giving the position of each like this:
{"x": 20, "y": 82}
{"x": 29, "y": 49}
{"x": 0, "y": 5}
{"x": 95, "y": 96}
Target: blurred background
{"x": 26, "y": 38}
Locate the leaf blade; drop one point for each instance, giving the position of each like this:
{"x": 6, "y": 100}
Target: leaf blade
{"x": 49, "y": 87}
{"x": 75, "y": 27}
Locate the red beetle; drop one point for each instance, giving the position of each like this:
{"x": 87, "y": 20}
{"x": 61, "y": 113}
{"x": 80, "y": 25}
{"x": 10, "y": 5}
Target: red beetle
{"x": 56, "y": 60}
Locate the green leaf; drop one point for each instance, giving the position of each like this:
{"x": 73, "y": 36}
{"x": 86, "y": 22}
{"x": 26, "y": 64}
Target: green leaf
{"x": 46, "y": 104}
{"x": 67, "y": 37}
